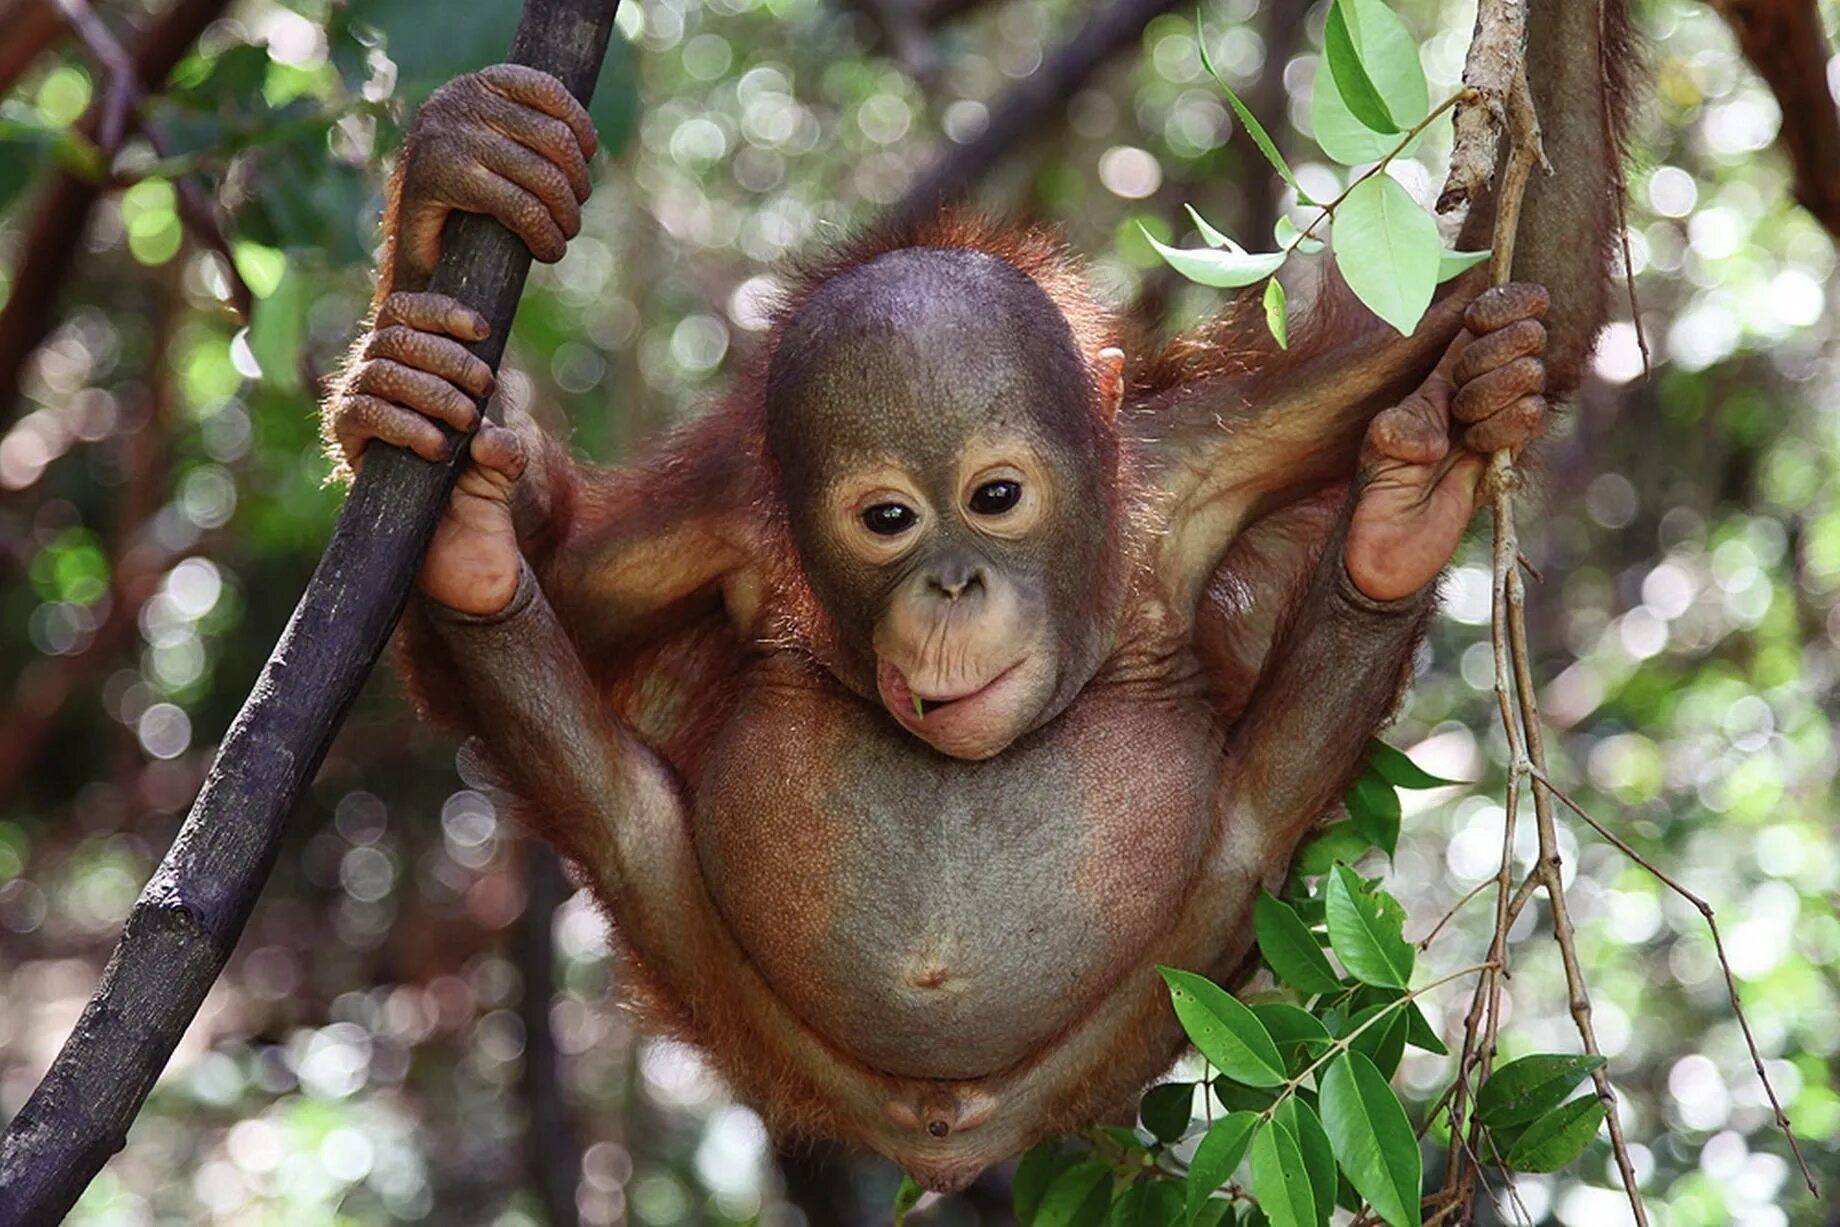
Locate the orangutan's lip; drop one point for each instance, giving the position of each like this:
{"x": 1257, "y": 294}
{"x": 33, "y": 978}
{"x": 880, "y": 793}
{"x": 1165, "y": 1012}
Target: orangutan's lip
{"x": 924, "y": 712}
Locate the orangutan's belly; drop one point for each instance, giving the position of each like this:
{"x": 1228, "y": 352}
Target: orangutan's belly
{"x": 940, "y": 918}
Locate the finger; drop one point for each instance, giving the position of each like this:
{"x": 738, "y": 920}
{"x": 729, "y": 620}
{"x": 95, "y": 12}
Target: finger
{"x": 548, "y": 137}
{"x": 426, "y": 312}
{"x": 542, "y": 91}
{"x": 1513, "y": 428}
{"x": 1410, "y": 432}
{"x": 1486, "y": 394}
{"x": 437, "y": 355}
{"x": 418, "y": 390}
{"x": 483, "y": 191}
{"x": 1521, "y": 339}
{"x": 538, "y": 176}
{"x": 360, "y": 418}
{"x": 499, "y": 451}
{"x": 1501, "y": 305}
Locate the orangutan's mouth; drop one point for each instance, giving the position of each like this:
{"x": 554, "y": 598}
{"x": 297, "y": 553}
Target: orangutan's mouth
{"x": 927, "y": 713}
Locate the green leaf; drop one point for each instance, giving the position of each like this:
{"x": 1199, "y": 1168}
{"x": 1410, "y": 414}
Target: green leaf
{"x": 1450, "y": 263}
{"x": 1387, "y": 249}
{"x": 1384, "y": 1043}
{"x": 1299, "y": 1034}
{"x": 1290, "y": 949}
{"x": 1209, "y": 235}
{"x": 1227, "y": 1033}
{"x": 905, "y": 1198}
{"x": 1167, "y": 1109}
{"x": 1395, "y": 768}
{"x": 1421, "y": 1034}
{"x": 1214, "y": 1212}
{"x": 1337, "y": 842}
{"x": 1373, "y": 807}
{"x": 1247, "y": 119}
{"x": 1223, "y": 270}
{"x": 1390, "y": 56}
{"x": 1274, "y": 314}
{"x": 1218, "y": 1157}
{"x": 1238, "y": 1097}
{"x": 1558, "y": 1137}
{"x": 1309, "y": 908}
{"x": 1125, "y": 1139}
{"x": 278, "y": 329}
{"x": 261, "y": 268}
{"x": 1372, "y": 1138}
{"x": 1364, "y": 932}
{"x": 1318, "y": 1155}
{"x": 1351, "y": 80}
{"x": 1156, "y": 1203}
{"x": 1280, "y": 1180}
{"x": 1078, "y": 1197}
{"x": 1287, "y": 234}
{"x": 1521, "y": 1090}
{"x": 1034, "y": 1174}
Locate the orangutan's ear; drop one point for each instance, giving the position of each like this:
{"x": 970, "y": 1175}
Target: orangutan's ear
{"x": 1108, "y": 370}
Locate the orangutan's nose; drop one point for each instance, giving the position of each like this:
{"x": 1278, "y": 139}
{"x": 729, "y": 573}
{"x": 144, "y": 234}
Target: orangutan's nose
{"x": 953, "y": 577}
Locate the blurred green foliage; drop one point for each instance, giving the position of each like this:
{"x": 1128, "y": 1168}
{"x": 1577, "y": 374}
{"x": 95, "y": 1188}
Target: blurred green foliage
{"x": 162, "y": 501}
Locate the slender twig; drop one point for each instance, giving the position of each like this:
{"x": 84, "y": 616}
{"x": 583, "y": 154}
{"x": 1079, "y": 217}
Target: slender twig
{"x": 1510, "y": 611}
{"x": 1411, "y": 134}
{"x": 1704, "y": 908}
{"x": 1496, "y": 53}
{"x": 1528, "y": 885}
{"x": 1341, "y": 1043}
{"x": 123, "y": 89}
{"x": 1424, "y": 943}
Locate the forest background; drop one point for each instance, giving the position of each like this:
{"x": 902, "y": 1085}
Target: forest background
{"x": 421, "y": 1024}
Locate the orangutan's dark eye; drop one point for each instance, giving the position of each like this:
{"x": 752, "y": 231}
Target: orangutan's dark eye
{"x": 889, "y": 519}
{"x": 996, "y": 497}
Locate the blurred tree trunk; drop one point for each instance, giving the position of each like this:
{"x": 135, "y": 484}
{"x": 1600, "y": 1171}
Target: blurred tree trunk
{"x": 27, "y": 29}
{"x": 1784, "y": 40}
{"x": 552, "y": 1145}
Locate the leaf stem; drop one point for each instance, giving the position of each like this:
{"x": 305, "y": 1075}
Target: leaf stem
{"x": 1327, "y": 211}
{"x": 1341, "y": 1044}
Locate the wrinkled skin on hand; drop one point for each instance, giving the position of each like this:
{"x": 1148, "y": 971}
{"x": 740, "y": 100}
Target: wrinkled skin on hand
{"x": 959, "y": 667}
{"x": 1423, "y": 459}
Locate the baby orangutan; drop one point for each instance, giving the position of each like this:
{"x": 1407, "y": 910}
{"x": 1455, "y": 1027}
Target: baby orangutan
{"x": 957, "y": 669}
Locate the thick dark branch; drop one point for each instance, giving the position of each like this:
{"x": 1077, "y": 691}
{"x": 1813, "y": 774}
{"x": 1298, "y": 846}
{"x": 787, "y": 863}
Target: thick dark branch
{"x": 1022, "y": 112}
{"x": 1784, "y": 42}
{"x": 63, "y": 213}
{"x": 189, "y": 918}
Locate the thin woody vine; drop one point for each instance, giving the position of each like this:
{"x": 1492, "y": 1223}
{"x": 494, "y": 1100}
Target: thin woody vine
{"x": 1294, "y": 1114}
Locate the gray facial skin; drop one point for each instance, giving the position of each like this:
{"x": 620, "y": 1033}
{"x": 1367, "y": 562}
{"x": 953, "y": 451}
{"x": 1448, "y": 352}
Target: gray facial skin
{"x": 904, "y": 362}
